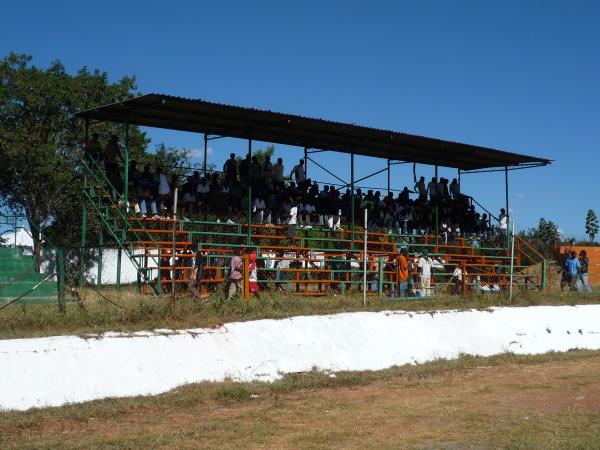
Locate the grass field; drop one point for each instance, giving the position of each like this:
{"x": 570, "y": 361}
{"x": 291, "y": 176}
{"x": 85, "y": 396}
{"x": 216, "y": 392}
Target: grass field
{"x": 508, "y": 401}
{"x": 134, "y": 312}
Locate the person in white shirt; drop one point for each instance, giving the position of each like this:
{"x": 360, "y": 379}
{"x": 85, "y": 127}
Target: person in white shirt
{"x": 503, "y": 224}
{"x": 458, "y": 279}
{"x": 202, "y": 191}
{"x": 293, "y": 217}
{"x": 305, "y": 209}
{"x": 425, "y": 264}
{"x": 298, "y": 172}
{"x": 259, "y": 209}
{"x": 278, "y": 171}
{"x": 164, "y": 190}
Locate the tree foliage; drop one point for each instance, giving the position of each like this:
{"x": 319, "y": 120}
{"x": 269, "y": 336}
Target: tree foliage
{"x": 591, "y": 225}
{"x": 544, "y": 238}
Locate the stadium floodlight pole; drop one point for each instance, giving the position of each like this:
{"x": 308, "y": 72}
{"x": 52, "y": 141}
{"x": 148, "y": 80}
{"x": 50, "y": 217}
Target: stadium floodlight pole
{"x": 512, "y": 261}
{"x": 437, "y": 223}
{"x": 204, "y": 163}
{"x": 249, "y": 214}
{"x": 365, "y": 260}
{"x": 173, "y": 259}
{"x": 352, "y": 197}
{"x": 506, "y": 197}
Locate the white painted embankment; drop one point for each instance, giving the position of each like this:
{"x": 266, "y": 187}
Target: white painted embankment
{"x": 57, "y": 370}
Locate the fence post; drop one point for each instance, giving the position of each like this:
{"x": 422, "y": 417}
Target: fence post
{"x": 544, "y": 275}
{"x": 246, "y": 288}
{"x": 380, "y": 277}
{"x": 60, "y": 279}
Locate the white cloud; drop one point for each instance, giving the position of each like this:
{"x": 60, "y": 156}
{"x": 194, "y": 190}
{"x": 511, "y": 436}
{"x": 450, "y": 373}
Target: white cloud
{"x": 199, "y": 152}
{"x": 520, "y": 195}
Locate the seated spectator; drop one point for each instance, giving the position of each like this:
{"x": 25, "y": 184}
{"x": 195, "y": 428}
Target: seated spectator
{"x": 145, "y": 188}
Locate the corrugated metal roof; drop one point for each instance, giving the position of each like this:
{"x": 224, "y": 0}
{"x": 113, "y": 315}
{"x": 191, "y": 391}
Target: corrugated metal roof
{"x": 195, "y": 115}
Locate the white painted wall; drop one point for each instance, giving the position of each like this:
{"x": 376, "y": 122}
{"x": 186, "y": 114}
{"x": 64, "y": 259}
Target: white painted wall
{"x": 53, "y": 371}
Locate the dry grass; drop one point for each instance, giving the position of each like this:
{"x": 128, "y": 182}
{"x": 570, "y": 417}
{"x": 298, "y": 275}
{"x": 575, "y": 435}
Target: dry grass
{"x": 140, "y": 312}
{"x": 546, "y": 401}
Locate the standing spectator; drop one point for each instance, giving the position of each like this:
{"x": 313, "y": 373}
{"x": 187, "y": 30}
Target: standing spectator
{"x": 112, "y": 153}
{"x": 503, "y": 224}
{"x": 421, "y": 189}
{"x": 425, "y": 264}
{"x": 298, "y": 172}
{"x": 278, "y": 171}
{"x": 268, "y": 170}
{"x": 93, "y": 148}
{"x": 458, "y": 279}
{"x": 455, "y": 189}
{"x": 432, "y": 189}
{"x": 164, "y": 191}
{"x": 197, "y": 275}
{"x": 259, "y": 209}
{"x": 403, "y": 273}
{"x": 573, "y": 267}
{"x": 253, "y": 273}
{"x": 583, "y": 276}
{"x": 234, "y": 282}
{"x": 230, "y": 170}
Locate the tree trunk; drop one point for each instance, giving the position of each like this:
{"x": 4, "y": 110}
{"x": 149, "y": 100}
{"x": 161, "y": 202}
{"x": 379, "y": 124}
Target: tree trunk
{"x": 34, "y": 222}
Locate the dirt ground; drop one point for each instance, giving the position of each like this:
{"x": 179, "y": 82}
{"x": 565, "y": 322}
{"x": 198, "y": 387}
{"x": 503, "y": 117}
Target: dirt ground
{"x": 549, "y": 402}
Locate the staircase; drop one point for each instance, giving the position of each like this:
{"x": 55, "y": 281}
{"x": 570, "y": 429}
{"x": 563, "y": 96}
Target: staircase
{"x": 18, "y": 276}
{"x": 152, "y": 245}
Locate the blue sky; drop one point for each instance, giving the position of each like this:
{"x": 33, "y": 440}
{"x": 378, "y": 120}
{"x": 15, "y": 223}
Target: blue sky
{"x": 522, "y": 76}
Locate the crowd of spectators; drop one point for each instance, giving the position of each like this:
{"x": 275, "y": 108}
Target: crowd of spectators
{"x": 277, "y": 195}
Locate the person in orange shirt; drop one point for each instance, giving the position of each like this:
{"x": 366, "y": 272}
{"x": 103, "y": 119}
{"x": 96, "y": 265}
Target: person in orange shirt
{"x": 402, "y": 273}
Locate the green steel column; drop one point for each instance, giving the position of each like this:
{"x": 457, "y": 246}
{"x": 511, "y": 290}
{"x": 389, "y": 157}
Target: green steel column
{"x": 100, "y": 254}
{"x": 204, "y": 163}
{"x": 158, "y": 279}
{"x": 388, "y": 176}
{"x": 60, "y": 278}
{"x": 305, "y": 162}
{"x": 126, "y": 200}
{"x": 544, "y": 275}
{"x": 352, "y": 197}
{"x": 437, "y": 224}
{"x": 126, "y": 170}
{"x": 84, "y": 213}
{"x": 249, "y": 216}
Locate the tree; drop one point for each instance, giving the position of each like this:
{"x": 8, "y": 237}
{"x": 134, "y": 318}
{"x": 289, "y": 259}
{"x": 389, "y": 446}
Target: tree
{"x": 544, "y": 238}
{"x": 40, "y": 140}
{"x": 591, "y": 225}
